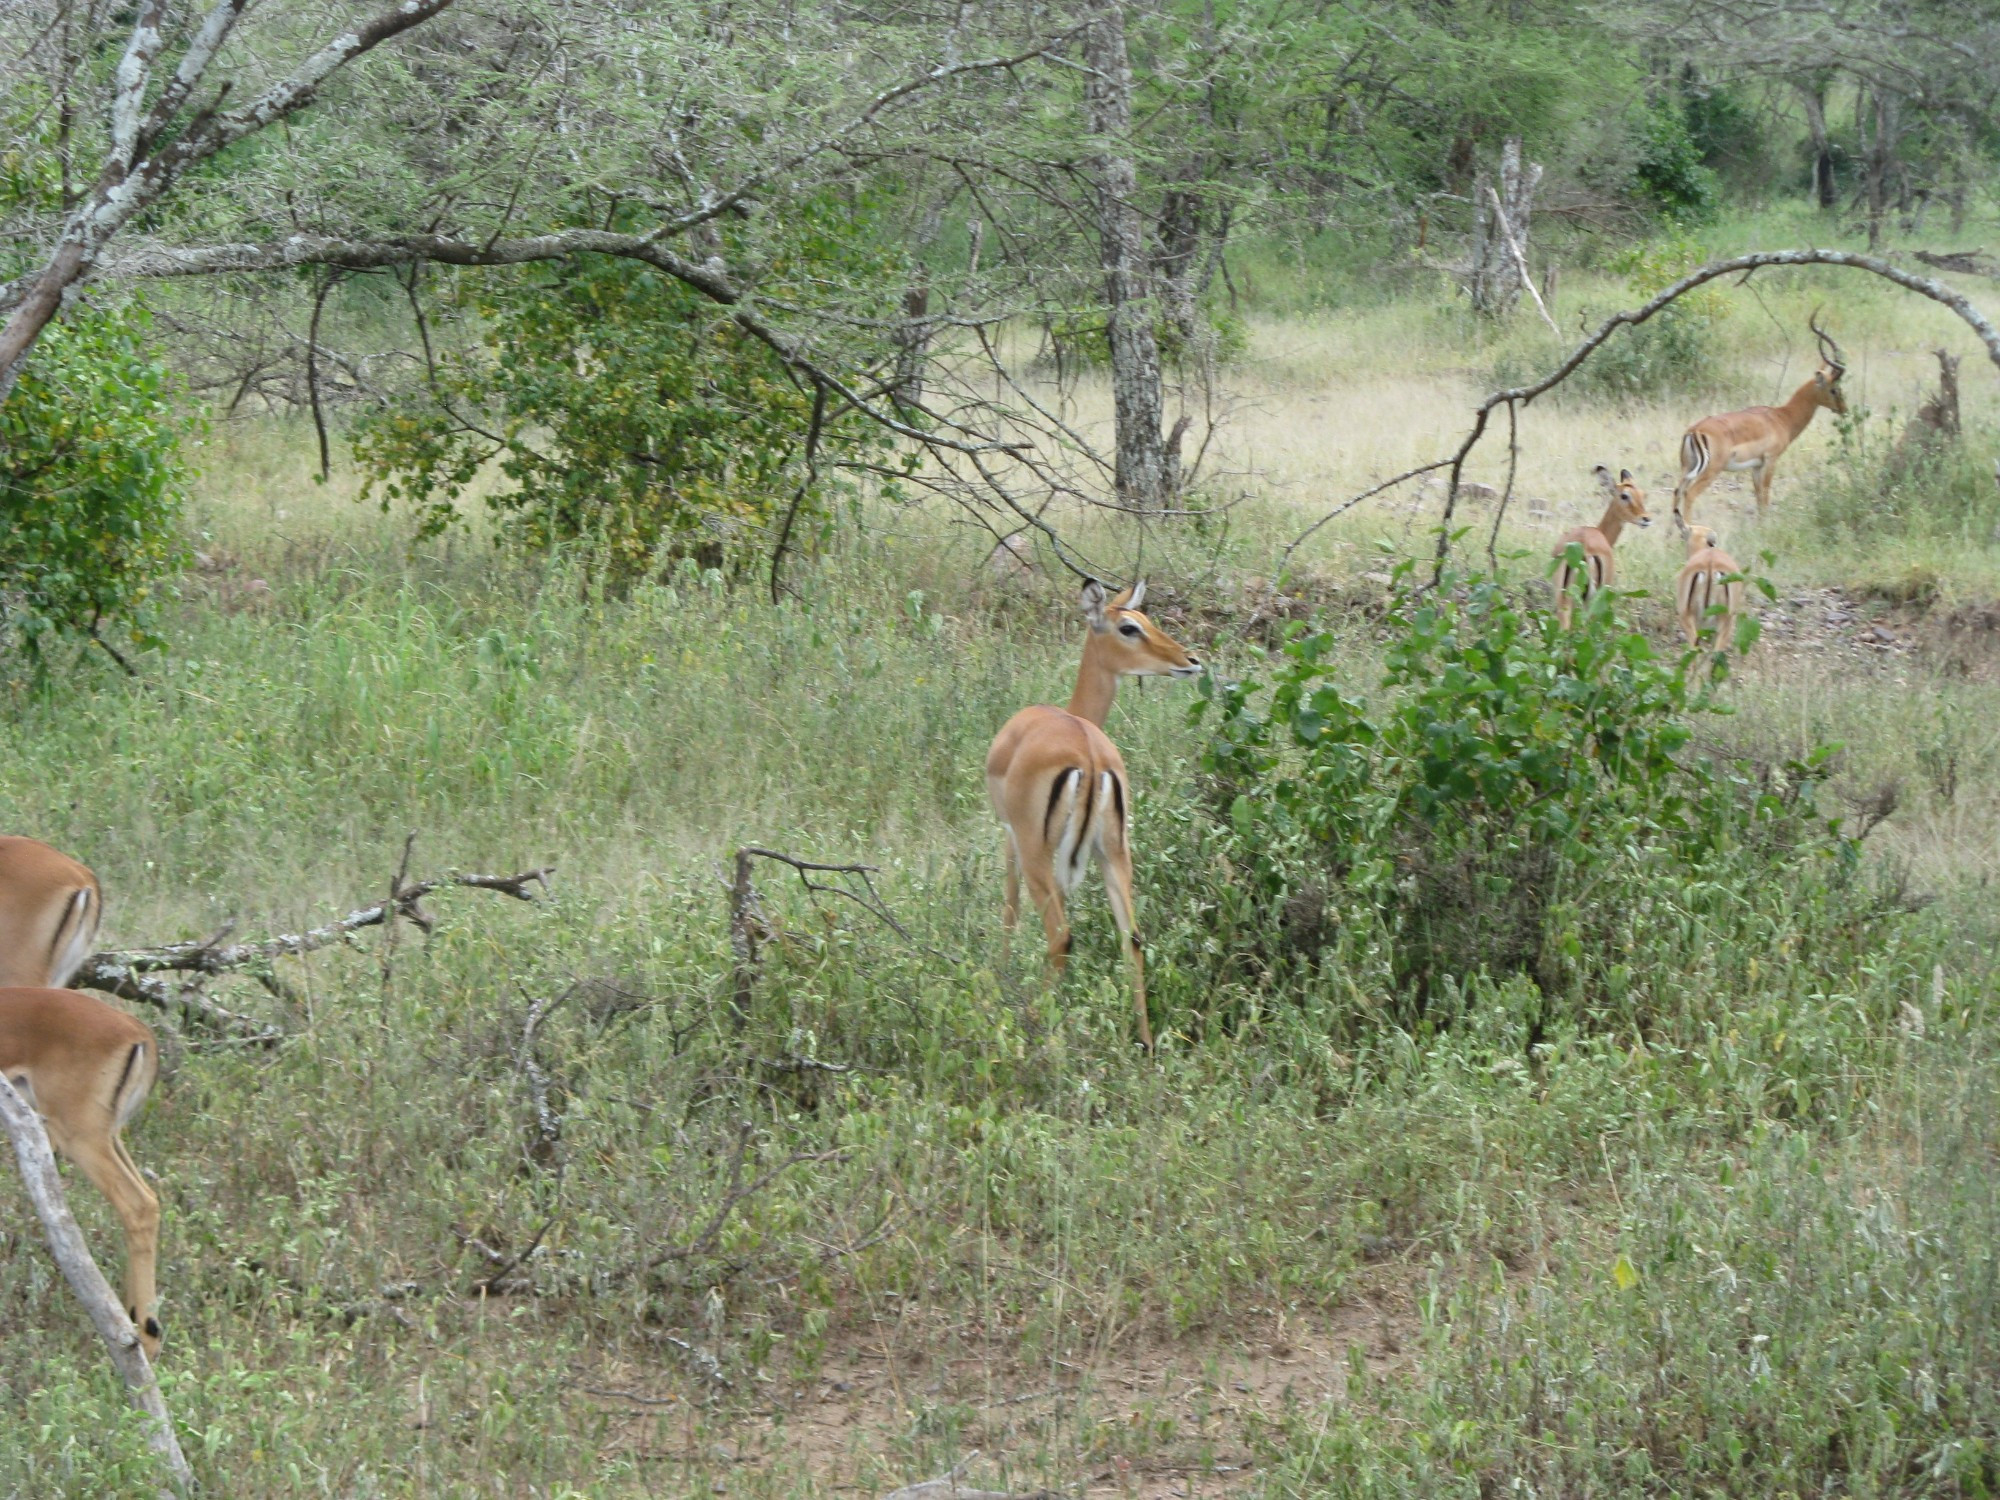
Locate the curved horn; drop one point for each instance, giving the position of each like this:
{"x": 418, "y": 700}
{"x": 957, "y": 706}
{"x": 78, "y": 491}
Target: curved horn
{"x": 1828, "y": 349}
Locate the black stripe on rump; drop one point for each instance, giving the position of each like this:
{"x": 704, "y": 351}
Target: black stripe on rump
{"x": 1055, "y": 796}
{"x": 131, "y": 1062}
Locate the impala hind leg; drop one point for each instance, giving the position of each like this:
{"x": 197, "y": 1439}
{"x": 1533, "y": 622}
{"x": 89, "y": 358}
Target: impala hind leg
{"x": 1048, "y": 899}
{"x": 104, "y": 1160}
{"x": 1116, "y": 862}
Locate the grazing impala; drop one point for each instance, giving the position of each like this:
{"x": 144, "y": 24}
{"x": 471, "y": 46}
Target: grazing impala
{"x": 1625, "y": 504}
{"x": 1755, "y": 438}
{"x": 1059, "y": 786}
{"x": 1709, "y": 579}
{"x": 86, "y": 1067}
{"x": 49, "y": 909}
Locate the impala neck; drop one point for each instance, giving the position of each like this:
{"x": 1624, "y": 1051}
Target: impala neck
{"x": 1096, "y": 684}
{"x": 1612, "y": 524}
{"x": 1798, "y": 412}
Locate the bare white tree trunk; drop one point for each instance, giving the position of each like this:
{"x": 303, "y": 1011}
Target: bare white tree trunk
{"x": 38, "y": 1172}
{"x": 1500, "y": 214}
{"x": 1145, "y": 473}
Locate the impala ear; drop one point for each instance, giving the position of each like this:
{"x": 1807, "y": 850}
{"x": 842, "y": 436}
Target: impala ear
{"x": 1133, "y": 597}
{"x": 1094, "y": 599}
{"x": 1604, "y": 477}
{"x": 1625, "y": 476}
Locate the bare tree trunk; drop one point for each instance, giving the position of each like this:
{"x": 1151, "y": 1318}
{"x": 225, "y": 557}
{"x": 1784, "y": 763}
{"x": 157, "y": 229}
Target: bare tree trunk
{"x": 1499, "y": 227}
{"x": 1881, "y": 161}
{"x": 1812, "y": 95}
{"x": 1138, "y": 400}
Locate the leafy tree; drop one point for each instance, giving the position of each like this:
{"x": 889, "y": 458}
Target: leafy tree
{"x": 91, "y": 481}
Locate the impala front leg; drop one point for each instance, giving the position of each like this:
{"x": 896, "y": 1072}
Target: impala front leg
{"x": 1760, "y": 485}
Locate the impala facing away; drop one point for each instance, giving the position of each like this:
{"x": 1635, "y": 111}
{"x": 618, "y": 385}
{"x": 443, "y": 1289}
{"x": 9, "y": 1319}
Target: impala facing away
{"x": 86, "y": 1067}
{"x": 49, "y": 909}
{"x": 1625, "y": 503}
{"x": 1754, "y": 439}
{"x": 84, "y": 1064}
{"x": 1059, "y": 787}
{"x": 1709, "y": 579}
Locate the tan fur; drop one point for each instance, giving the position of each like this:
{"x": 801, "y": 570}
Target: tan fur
{"x": 49, "y": 910}
{"x": 1701, "y": 587}
{"x": 1059, "y": 788}
{"x": 1625, "y": 504}
{"x": 87, "y": 1066}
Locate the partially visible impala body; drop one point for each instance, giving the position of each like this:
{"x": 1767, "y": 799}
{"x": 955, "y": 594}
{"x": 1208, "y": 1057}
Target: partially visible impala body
{"x": 84, "y": 1064}
{"x": 49, "y": 911}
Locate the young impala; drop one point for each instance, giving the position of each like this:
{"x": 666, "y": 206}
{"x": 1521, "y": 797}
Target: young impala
{"x": 1709, "y": 579}
{"x": 1059, "y": 787}
{"x": 1755, "y": 438}
{"x": 1625, "y": 504}
{"x": 49, "y": 909}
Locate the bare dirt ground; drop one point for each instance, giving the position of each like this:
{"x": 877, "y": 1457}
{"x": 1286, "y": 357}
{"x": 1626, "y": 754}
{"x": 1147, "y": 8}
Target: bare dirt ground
{"x": 1145, "y": 1418}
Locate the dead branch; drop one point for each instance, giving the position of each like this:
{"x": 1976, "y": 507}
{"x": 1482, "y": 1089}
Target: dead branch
{"x": 38, "y": 1173}
{"x": 1746, "y": 265}
{"x": 1965, "y": 262}
{"x": 132, "y": 973}
{"x": 749, "y": 931}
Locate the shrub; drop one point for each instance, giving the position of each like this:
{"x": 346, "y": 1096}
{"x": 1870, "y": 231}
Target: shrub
{"x": 1882, "y": 483}
{"x": 91, "y": 481}
{"x": 1671, "y": 351}
{"x": 623, "y": 409}
{"x": 1516, "y": 801}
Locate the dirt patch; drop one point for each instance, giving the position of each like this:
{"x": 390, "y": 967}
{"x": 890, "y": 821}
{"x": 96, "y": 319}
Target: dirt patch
{"x": 894, "y": 1401}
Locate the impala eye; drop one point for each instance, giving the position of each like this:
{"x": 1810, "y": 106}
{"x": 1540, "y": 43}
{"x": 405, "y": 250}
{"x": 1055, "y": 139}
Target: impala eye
{"x": 1130, "y": 629}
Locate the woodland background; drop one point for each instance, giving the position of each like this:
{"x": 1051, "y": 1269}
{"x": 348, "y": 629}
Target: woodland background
{"x": 579, "y": 434}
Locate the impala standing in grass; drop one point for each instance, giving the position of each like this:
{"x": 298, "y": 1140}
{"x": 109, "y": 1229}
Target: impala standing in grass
{"x": 1752, "y": 440}
{"x": 84, "y": 1064}
{"x": 1625, "y": 504}
{"x": 1710, "y": 579}
{"x": 1059, "y": 786}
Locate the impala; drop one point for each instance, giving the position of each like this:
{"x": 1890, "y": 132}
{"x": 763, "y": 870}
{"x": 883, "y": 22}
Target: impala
{"x": 1625, "y": 504}
{"x": 1710, "y": 579}
{"x": 1059, "y": 787}
{"x": 1753, "y": 440}
{"x": 49, "y": 909}
{"x": 86, "y": 1067}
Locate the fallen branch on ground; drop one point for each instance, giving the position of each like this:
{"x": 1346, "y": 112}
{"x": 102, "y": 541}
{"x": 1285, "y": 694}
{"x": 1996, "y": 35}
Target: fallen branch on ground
{"x": 131, "y": 973}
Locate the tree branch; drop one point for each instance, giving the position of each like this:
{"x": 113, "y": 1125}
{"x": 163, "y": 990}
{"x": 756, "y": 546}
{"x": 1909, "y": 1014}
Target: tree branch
{"x": 72, "y": 1255}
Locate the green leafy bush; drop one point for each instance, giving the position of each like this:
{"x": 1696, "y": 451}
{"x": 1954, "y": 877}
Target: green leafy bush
{"x": 91, "y": 481}
{"x": 622, "y": 408}
{"x": 1512, "y": 804}
{"x": 1670, "y": 170}
{"x": 1674, "y": 350}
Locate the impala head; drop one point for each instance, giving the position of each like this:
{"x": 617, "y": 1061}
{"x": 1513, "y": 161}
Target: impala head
{"x": 1701, "y": 537}
{"x": 1625, "y": 496}
{"x": 1826, "y": 379}
{"x": 1133, "y": 645}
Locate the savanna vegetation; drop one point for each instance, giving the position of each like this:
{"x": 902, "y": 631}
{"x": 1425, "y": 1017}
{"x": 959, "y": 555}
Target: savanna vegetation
{"x": 579, "y": 436}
